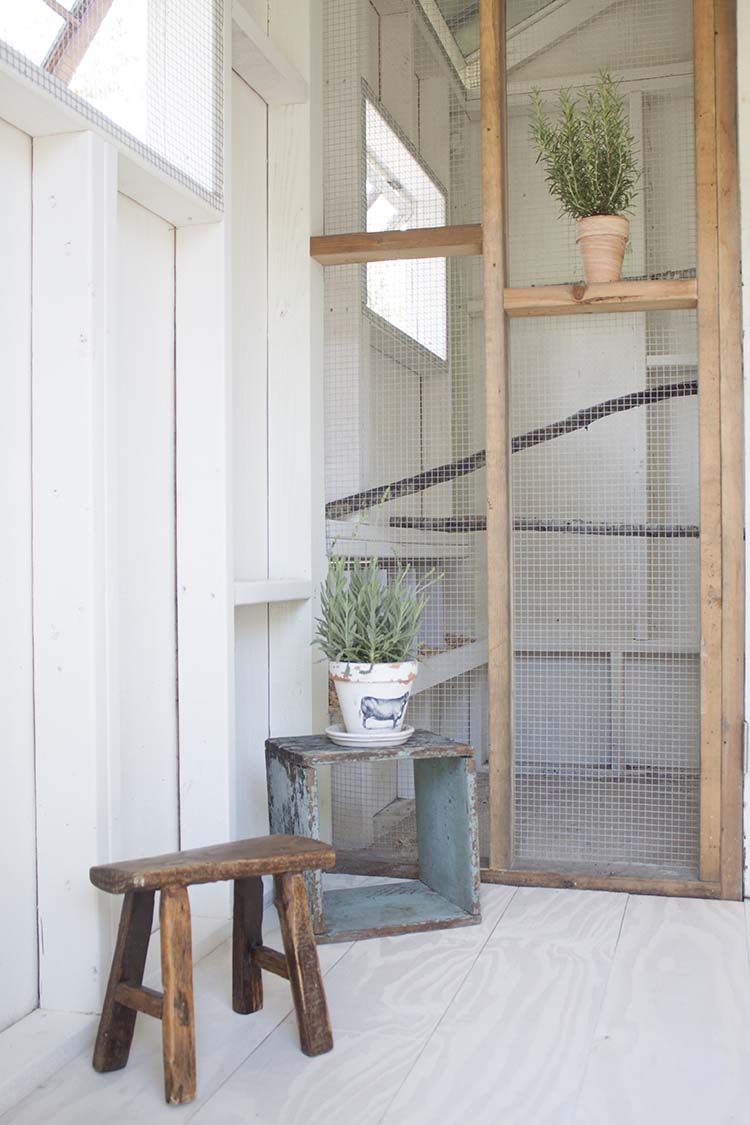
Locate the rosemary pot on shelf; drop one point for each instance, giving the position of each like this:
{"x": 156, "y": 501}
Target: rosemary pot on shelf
{"x": 368, "y": 630}
{"x": 591, "y": 168}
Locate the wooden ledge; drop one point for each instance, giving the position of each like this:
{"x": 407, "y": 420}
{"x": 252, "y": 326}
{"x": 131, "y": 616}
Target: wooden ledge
{"x": 616, "y": 296}
{"x": 395, "y": 245}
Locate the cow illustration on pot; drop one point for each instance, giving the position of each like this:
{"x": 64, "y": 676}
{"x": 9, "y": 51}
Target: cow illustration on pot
{"x": 383, "y": 710}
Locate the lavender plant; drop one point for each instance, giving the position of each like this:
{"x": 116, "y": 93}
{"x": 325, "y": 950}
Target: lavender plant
{"x": 367, "y": 618}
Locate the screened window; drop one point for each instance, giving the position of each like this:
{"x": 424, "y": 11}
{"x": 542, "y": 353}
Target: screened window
{"x": 402, "y": 195}
{"x": 147, "y": 71}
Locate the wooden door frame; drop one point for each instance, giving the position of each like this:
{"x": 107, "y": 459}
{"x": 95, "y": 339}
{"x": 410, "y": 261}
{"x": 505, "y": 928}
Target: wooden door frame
{"x": 720, "y": 457}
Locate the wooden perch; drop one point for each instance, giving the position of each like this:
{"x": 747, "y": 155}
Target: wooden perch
{"x": 461, "y": 524}
{"x": 442, "y": 474}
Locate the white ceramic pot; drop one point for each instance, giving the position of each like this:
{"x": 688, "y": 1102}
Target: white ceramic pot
{"x": 373, "y": 697}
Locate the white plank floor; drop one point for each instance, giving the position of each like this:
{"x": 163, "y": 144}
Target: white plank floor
{"x": 562, "y": 1008}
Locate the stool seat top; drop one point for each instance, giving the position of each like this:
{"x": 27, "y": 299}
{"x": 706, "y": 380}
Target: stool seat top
{"x": 241, "y": 859}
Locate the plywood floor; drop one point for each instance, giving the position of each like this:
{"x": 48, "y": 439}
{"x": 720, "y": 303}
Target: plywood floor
{"x": 562, "y": 1008}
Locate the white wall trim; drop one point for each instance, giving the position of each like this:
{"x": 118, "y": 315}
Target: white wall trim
{"x": 259, "y": 62}
{"x": 36, "y": 111}
{"x": 264, "y": 591}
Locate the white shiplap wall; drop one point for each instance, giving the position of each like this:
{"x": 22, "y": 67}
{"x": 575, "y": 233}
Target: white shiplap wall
{"x": 18, "y": 953}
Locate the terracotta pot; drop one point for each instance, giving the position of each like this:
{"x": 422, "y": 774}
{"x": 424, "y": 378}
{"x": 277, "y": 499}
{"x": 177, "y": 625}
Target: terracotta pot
{"x": 373, "y": 697}
{"x": 602, "y": 240}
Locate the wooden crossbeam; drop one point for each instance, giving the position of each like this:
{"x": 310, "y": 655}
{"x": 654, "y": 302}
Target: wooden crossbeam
{"x": 139, "y": 998}
{"x": 395, "y": 245}
{"x": 614, "y": 296}
{"x": 271, "y": 961}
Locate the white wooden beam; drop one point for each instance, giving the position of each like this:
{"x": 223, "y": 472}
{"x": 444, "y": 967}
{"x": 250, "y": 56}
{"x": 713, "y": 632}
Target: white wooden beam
{"x": 74, "y": 208}
{"x": 259, "y": 62}
{"x": 265, "y": 591}
{"x": 289, "y": 387}
{"x": 18, "y": 945}
{"x": 204, "y": 562}
{"x": 553, "y": 22}
{"x": 36, "y": 111}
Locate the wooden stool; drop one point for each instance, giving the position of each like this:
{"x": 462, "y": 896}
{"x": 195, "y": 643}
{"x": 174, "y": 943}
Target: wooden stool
{"x": 284, "y": 857}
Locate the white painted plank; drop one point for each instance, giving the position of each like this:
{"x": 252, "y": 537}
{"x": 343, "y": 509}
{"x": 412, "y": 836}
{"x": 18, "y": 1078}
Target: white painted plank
{"x": 37, "y": 111}
{"x": 248, "y": 218}
{"x": 289, "y": 401}
{"x": 204, "y": 562}
{"x": 249, "y": 226}
{"x": 385, "y": 997}
{"x": 263, "y": 592}
{"x": 74, "y": 518}
{"x": 18, "y": 936}
{"x": 146, "y": 588}
{"x": 673, "y": 1041}
{"x": 515, "y": 1040}
{"x": 260, "y": 62}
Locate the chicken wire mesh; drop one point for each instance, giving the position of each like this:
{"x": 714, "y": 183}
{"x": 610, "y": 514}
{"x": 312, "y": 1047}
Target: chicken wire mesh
{"x": 148, "y": 72}
{"x": 605, "y": 513}
{"x": 605, "y": 517}
{"x": 403, "y": 363}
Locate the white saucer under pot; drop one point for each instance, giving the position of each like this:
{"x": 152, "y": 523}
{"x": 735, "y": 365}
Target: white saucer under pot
{"x": 377, "y": 739}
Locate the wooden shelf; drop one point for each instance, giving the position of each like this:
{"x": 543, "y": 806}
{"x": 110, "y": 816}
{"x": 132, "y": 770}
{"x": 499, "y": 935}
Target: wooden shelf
{"x": 394, "y": 245}
{"x": 616, "y": 296}
{"x": 263, "y": 591}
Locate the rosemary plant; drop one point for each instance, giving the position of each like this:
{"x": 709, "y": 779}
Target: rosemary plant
{"x": 588, "y": 153}
{"x": 366, "y": 619}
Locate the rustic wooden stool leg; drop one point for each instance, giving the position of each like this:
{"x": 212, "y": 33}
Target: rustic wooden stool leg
{"x": 178, "y": 1023}
{"x": 303, "y": 965}
{"x": 247, "y": 935}
{"x": 118, "y": 1022}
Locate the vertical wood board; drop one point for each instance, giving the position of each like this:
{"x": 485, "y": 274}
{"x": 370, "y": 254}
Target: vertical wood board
{"x": 18, "y": 937}
{"x": 75, "y": 514}
{"x": 146, "y": 534}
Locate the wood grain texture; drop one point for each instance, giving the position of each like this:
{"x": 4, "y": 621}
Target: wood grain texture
{"x": 140, "y": 999}
{"x": 447, "y": 830}
{"x": 117, "y": 1022}
{"x": 224, "y": 1041}
{"x": 672, "y": 1043}
{"x": 673, "y": 1009}
{"x": 617, "y": 296}
{"x": 264, "y": 855}
{"x": 494, "y": 222}
{"x": 178, "y": 1018}
{"x": 271, "y": 960}
{"x": 709, "y": 365}
{"x": 247, "y": 937}
{"x": 395, "y": 245}
{"x": 311, "y": 750}
{"x": 602, "y": 882}
{"x": 528, "y": 1010}
{"x": 385, "y": 909}
{"x": 732, "y": 449}
{"x": 303, "y": 965}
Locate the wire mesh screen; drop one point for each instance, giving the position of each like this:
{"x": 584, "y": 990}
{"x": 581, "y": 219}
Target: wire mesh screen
{"x": 647, "y": 45}
{"x": 404, "y": 370}
{"x": 604, "y": 478}
{"x": 603, "y": 416}
{"x": 606, "y": 591}
{"x": 149, "y": 72}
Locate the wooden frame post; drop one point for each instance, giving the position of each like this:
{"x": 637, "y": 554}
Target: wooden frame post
{"x": 500, "y": 639}
{"x": 720, "y": 445}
